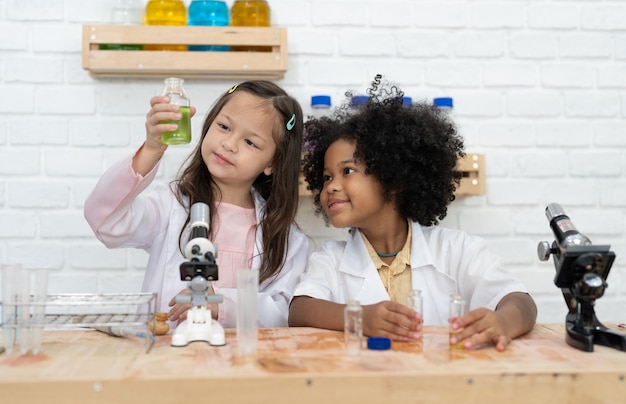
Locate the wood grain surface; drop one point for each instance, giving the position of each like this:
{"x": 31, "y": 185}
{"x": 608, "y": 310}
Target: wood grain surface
{"x": 306, "y": 365}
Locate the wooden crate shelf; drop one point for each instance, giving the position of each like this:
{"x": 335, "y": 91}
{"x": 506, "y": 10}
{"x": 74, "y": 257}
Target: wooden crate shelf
{"x": 472, "y": 167}
{"x": 185, "y": 64}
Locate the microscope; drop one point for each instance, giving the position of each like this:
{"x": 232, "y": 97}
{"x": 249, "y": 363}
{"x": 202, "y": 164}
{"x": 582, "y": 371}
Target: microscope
{"x": 199, "y": 269}
{"x": 581, "y": 273}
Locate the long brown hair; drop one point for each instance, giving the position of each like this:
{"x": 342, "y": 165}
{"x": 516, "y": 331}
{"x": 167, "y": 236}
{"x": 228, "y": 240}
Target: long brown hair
{"x": 280, "y": 189}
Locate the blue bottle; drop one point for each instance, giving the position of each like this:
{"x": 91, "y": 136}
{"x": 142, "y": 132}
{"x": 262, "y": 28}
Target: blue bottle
{"x": 211, "y": 14}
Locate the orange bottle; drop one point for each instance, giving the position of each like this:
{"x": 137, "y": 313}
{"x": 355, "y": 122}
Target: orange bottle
{"x": 166, "y": 12}
{"x": 250, "y": 14}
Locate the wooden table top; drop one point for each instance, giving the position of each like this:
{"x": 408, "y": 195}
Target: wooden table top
{"x": 309, "y": 365}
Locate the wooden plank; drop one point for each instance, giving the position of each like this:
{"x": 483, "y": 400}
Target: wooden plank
{"x": 186, "y": 64}
{"x": 311, "y": 364}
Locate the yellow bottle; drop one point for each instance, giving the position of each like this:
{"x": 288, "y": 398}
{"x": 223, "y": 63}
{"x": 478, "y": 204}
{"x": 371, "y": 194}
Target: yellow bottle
{"x": 166, "y": 12}
{"x": 250, "y": 14}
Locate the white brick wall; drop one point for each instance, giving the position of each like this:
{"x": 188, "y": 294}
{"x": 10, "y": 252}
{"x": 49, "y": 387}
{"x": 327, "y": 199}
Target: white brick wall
{"x": 539, "y": 87}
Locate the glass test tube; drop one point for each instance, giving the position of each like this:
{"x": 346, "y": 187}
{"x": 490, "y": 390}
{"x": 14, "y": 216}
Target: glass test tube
{"x": 415, "y": 302}
{"x": 457, "y": 309}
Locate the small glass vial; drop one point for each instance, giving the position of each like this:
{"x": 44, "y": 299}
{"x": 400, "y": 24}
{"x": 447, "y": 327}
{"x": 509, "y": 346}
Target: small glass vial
{"x": 208, "y": 14}
{"x": 182, "y": 135}
{"x": 457, "y": 309}
{"x": 250, "y": 13}
{"x": 415, "y": 302}
{"x": 320, "y": 106}
{"x": 126, "y": 12}
{"x": 353, "y": 327}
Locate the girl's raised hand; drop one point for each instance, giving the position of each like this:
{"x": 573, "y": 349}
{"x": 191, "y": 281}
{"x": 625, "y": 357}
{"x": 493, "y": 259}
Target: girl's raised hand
{"x": 392, "y": 320}
{"x": 161, "y": 110}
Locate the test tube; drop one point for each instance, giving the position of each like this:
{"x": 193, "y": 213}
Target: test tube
{"x": 40, "y": 295}
{"x": 353, "y": 327}
{"x": 457, "y": 309}
{"x": 415, "y": 302}
{"x": 9, "y": 305}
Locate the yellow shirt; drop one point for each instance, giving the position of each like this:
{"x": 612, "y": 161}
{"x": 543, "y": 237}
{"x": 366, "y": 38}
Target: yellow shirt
{"x": 396, "y": 276}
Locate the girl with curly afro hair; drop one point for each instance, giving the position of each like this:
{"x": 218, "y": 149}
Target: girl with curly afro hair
{"x": 388, "y": 172}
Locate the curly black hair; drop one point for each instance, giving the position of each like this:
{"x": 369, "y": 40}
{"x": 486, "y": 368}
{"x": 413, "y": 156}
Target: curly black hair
{"x": 412, "y": 150}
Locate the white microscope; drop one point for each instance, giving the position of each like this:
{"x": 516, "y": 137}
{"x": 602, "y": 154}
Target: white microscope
{"x": 199, "y": 269}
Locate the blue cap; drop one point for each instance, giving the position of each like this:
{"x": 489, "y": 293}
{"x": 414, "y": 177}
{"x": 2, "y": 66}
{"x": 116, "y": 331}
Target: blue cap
{"x": 406, "y": 101}
{"x": 320, "y": 100}
{"x": 378, "y": 343}
{"x": 360, "y": 99}
{"x": 445, "y": 102}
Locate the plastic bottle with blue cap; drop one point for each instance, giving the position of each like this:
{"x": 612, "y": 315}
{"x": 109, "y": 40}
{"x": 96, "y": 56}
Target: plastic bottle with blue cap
{"x": 320, "y": 105}
{"x": 445, "y": 103}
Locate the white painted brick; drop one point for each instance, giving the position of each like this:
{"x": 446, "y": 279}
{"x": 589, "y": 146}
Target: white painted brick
{"x": 513, "y": 192}
{"x": 564, "y": 134}
{"x": 23, "y": 102}
{"x": 553, "y": 16}
{"x": 534, "y": 45}
{"x": 591, "y": 104}
{"x": 3, "y": 133}
{"x": 113, "y": 282}
{"x": 441, "y": 14}
{"x": 37, "y": 194}
{"x": 603, "y": 17}
{"x": 12, "y": 162}
{"x": 424, "y": 44}
{"x": 100, "y": 132}
{"x": 613, "y": 194}
{"x": 620, "y": 46}
{"x": 2, "y": 194}
{"x": 17, "y": 224}
{"x": 612, "y": 76}
{"x": 495, "y": 222}
{"x": 572, "y": 192}
{"x": 55, "y": 100}
{"x": 64, "y": 225}
{"x": 510, "y": 135}
{"x": 479, "y": 45}
{"x": 449, "y": 74}
{"x": 608, "y": 222}
{"x": 72, "y": 163}
{"x": 498, "y": 15}
{"x": 389, "y": 13}
{"x": 585, "y": 46}
{"x": 537, "y": 104}
{"x": 40, "y": 131}
{"x": 13, "y": 36}
{"x": 289, "y": 13}
{"x": 498, "y": 164}
{"x": 39, "y": 255}
{"x": 509, "y": 75}
{"x": 139, "y": 258}
{"x": 311, "y": 43}
{"x": 324, "y": 13}
{"x": 74, "y": 72}
{"x": 572, "y": 75}
{"x": 539, "y": 164}
{"x": 346, "y": 74}
{"x": 590, "y": 164}
{"x": 355, "y": 43}
{"x": 84, "y": 282}
{"x": 29, "y": 70}
{"x": 473, "y": 104}
{"x": 531, "y": 222}
{"x": 57, "y": 38}
{"x": 125, "y": 99}
{"x": 96, "y": 256}
{"x": 405, "y": 73}
{"x": 79, "y": 192}
{"x": 514, "y": 251}
{"x": 35, "y": 10}
{"x": 610, "y": 134}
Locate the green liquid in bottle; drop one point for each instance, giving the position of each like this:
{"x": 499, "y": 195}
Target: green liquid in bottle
{"x": 182, "y": 135}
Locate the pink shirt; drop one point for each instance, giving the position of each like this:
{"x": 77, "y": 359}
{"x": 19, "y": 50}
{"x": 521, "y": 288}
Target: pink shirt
{"x": 233, "y": 250}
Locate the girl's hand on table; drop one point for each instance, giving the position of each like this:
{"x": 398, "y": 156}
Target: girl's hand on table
{"x": 479, "y": 327}
{"x": 391, "y": 320}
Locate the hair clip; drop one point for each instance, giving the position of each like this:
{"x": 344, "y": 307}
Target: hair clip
{"x": 292, "y": 122}
{"x": 233, "y": 88}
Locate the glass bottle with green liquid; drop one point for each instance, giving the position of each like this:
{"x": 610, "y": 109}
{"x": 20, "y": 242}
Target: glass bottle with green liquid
{"x": 175, "y": 91}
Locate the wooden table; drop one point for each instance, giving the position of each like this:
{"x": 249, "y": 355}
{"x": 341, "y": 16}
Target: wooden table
{"x": 306, "y": 365}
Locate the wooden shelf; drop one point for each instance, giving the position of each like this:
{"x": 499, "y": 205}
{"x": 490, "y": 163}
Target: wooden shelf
{"x": 472, "y": 167}
{"x": 185, "y": 64}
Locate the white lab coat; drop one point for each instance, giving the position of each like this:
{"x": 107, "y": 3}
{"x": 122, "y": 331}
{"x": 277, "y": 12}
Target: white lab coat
{"x": 443, "y": 262}
{"x": 121, "y": 216}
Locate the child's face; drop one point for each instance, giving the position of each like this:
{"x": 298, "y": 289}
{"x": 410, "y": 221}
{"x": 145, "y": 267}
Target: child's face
{"x": 239, "y": 144}
{"x": 350, "y": 198}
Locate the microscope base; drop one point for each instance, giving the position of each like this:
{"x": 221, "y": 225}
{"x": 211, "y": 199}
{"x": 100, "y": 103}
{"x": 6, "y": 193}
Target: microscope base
{"x": 584, "y": 338}
{"x": 199, "y": 326}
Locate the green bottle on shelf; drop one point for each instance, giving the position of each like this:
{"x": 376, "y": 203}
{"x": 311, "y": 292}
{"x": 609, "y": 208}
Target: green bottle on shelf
{"x": 126, "y": 12}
